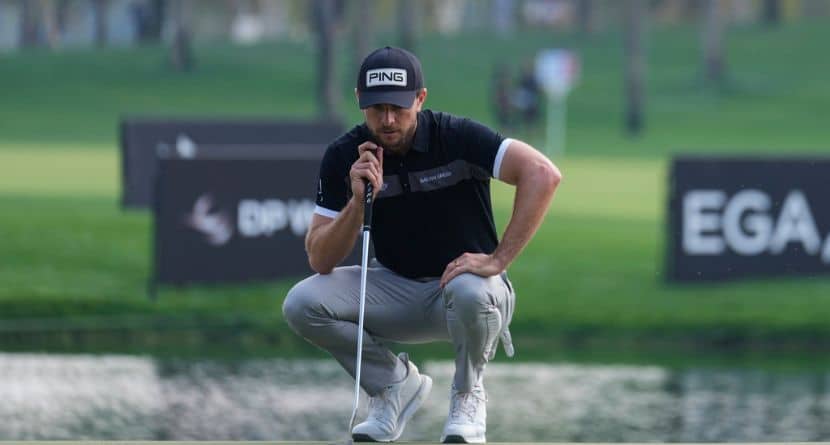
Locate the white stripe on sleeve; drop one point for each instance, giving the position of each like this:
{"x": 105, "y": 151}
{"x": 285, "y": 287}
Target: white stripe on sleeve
{"x": 328, "y": 213}
{"x": 500, "y": 156}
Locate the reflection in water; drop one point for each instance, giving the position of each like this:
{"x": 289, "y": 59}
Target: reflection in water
{"x": 78, "y": 397}
{"x": 122, "y": 397}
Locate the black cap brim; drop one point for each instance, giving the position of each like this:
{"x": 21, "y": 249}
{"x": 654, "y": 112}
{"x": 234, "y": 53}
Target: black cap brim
{"x": 403, "y": 99}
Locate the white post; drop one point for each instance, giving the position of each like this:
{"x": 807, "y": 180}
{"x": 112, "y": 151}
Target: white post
{"x": 557, "y": 71}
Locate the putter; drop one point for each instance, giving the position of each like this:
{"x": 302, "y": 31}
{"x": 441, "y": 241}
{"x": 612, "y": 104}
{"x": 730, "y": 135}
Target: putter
{"x": 367, "y": 227}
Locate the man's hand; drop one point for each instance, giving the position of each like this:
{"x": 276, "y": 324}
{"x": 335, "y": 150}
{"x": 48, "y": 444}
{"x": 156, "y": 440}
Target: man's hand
{"x": 480, "y": 264}
{"x": 369, "y": 167}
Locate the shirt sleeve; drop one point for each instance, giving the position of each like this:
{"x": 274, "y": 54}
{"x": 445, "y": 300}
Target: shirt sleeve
{"x": 332, "y": 185}
{"x": 483, "y": 147}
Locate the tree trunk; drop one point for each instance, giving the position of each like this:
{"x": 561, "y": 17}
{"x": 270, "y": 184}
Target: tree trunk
{"x": 635, "y": 66}
{"x": 363, "y": 35}
{"x": 29, "y": 27}
{"x": 772, "y": 12}
{"x": 714, "y": 65}
{"x": 62, "y": 15}
{"x": 49, "y": 21}
{"x": 407, "y": 18}
{"x": 584, "y": 13}
{"x": 156, "y": 18}
{"x": 323, "y": 12}
{"x": 504, "y": 17}
{"x": 99, "y": 8}
{"x": 181, "y": 53}
{"x": 691, "y": 9}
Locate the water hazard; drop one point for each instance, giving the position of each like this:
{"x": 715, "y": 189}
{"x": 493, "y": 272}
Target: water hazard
{"x": 141, "y": 398}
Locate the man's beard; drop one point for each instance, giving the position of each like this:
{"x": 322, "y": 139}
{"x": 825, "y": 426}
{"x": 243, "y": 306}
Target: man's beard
{"x": 403, "y": 143}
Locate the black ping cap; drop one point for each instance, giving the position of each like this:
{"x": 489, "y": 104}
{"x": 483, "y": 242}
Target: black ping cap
{"x": 389, "y": 76}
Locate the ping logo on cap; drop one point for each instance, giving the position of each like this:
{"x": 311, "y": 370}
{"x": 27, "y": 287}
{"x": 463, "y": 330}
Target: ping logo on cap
{"x": 385, "y": 76}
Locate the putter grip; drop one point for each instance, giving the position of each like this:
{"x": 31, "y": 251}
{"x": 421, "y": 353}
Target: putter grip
{"x": 367, "y": 207}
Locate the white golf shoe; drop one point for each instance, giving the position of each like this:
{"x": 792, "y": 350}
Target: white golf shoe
{"x": 393, "y": 407}
{"x": 467, "y": 421}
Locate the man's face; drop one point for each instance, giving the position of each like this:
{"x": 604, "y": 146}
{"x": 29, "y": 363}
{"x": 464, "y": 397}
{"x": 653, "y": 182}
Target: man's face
{"x": 393, "y": 127}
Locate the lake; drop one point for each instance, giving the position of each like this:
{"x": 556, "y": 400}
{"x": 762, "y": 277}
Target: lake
{"x": 109, "y": 397}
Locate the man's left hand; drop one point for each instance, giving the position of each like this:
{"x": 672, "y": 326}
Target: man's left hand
{"x": 480, "y": 264}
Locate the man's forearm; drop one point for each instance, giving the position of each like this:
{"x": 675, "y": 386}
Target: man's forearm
{"x": 534, "y": 192}
{"x": 329, "y": 244}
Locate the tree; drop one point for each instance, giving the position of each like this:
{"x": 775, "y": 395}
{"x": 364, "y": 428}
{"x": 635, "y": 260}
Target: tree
{"x": 772, "y": 12}
{"x": 29, "y": 24}
{"x": 407, "y": 23}
{"x": 99, "y": 8}
{"x": 635, "y": 66}
{"x": 363, "y": 32}
{"x": 49, "y": 22}
{"x": 504, "y": 16}
{"x": 62, "y": 15}
{"x": 153, "y": 23}
{"x": 584, "y": 14}
{"x": 148, "y": 19}
{"x": 323, "y": 14}
{"x": 714, "y": 66}
{"x": 181, "y": 53}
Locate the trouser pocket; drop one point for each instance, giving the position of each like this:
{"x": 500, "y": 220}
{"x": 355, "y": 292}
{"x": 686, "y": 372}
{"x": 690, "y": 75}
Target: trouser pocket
{"x": 507, "y": 317}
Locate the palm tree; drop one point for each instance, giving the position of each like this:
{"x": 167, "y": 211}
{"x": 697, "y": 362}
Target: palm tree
{"x": 407, "y": 23}
{"x": 714, "y": 66}
{"x": 99, "y": 8}
{"x": 503, "y": 14}
{"x": 772, "y": 12}
{"x": 29, "y": 24}
{"x": 181, "y": 53}
{"x": 585, "y": 15}
{"x": 323, "y": 15}
{"x": 635, "y": 66}
{"x": 362, "y": 31}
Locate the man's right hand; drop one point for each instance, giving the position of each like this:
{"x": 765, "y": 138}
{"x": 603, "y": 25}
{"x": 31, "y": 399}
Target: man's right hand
{"x": 368, "y": 167}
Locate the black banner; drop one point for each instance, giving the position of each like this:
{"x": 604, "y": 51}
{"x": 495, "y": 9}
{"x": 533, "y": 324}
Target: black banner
{"x": 231, "y": 220}
{"x": 142, "y": 139}
{"x": 733, "y": 218}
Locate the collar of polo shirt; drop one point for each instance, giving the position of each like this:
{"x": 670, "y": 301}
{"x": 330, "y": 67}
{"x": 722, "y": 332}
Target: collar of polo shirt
{"x": 421, "y": 140}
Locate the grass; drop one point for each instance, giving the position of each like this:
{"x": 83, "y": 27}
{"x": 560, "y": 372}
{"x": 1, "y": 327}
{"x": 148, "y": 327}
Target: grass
{"x": 591, "y": 277}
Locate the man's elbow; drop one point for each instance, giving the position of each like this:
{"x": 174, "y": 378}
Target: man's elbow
{"x": 556, "y": 176}
{"x": 316, "y": 263}
{"x": 318, "y": 266}
{"x": 547, "y": 176}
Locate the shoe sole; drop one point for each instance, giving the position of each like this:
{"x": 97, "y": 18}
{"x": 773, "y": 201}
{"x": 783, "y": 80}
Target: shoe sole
{"x": 362, "y": 438}
{"x": 406, "y": 414}
{"x": 456, "y": 438}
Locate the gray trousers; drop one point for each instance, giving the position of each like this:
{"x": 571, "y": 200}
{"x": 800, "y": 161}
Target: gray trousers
{"x": 472, "y": 312}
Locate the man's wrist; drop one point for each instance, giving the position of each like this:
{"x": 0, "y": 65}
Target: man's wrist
{"x": 500, "y": 261}
{"x": 354, "y": 201}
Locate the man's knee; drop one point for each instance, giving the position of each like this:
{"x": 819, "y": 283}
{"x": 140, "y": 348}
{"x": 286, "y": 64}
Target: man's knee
{"x": 300, "y": 305}
{"x": 467, "y": 294}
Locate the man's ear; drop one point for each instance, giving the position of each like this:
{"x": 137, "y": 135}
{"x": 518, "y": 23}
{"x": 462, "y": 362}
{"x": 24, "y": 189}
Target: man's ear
{"x": 421, "y": 98}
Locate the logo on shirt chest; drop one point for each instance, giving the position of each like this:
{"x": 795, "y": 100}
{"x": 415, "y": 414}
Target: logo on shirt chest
{"x": 426, "y": 179}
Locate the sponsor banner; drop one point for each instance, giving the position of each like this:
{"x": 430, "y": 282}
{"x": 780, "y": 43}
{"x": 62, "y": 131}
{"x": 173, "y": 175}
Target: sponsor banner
{"x": 733, "y": 218}
{"x": 233, "y": 220}
{"x": 143, "y": 139}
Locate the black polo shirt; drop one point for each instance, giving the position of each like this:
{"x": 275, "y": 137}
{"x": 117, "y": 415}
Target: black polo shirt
{"x": 435, "y": 202}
